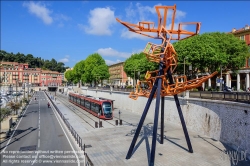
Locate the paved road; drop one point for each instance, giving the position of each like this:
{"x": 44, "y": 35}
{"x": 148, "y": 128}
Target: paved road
{"x": 40, "y": 139}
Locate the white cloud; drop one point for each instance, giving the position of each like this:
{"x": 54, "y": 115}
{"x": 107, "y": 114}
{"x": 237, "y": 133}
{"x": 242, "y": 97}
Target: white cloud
{"x": 146, "y": 11}
{"x": 110, "y": 62}
{"x": 138, "y": 12}
{"x": 40, "y": 11}
{"x": 65, "y": 59}
{"x": 111, "y": 52}
{"x": 100, "y": 22}
{"x": 61, "y": 17}
{"x": 130, "y": 35}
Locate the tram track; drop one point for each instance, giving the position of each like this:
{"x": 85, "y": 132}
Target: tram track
{"x": 74, "y": 108}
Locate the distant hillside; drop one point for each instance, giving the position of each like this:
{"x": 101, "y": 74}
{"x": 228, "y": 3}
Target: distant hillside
{"x": 34, "y": 62}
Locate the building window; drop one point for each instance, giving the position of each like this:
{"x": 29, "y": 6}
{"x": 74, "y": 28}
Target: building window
{"x": 242, "y": 37}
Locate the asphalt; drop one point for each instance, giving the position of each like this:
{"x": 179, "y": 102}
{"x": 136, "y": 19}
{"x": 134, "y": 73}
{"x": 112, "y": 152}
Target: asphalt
{"x": 40, "y": 138}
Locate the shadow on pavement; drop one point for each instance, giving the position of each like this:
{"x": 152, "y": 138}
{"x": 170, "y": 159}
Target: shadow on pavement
{"x": 18, "y": 132}
{"x": 145, "y": 133}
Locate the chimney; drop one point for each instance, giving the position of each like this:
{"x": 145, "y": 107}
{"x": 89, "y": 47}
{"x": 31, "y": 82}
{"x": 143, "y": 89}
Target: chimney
{"x": 246, "y": 27}
{"x": 233, "y": 30}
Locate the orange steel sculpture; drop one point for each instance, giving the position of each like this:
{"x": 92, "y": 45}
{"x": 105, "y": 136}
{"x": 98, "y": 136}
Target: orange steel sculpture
{"x": 160, "y": 83}
{"x": 154, "y": 52}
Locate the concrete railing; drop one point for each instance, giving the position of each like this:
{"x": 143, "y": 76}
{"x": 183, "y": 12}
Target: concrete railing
{"x": 228, "y": 96}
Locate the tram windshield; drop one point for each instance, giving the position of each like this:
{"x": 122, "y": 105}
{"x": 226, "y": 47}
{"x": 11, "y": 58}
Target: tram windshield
{"x": 107, "y": 109}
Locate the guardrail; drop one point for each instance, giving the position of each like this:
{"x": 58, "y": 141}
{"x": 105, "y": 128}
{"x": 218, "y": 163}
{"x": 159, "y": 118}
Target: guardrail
{"x": 73, "y": 132}
{"x": 112, "y": 89}
{"x": 243, "y": 97}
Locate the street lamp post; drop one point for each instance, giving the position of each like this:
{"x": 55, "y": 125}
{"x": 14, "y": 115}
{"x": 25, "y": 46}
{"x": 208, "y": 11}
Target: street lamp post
{"x": 185, "y": 64}
{"x": 221, "y": 78}
{"x": 16, "y": 90}
{"x": 134, "y": 82}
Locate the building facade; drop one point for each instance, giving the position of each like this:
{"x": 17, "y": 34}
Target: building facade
{"x": 240, "y": 80}
{"x": 18, "y": 74}
{"x": 243, "y": 34}
{"x": 118, "y": 76}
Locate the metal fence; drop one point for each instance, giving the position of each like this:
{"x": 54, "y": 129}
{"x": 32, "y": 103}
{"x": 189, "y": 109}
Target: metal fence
{"x": 227, "y": 96}
{"x": 112, "y": 89}
{"x": 74, "y": 133}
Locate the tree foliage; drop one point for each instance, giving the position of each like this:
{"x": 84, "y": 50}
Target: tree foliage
{"x": 138, "y": 62}
{"x": 4, "y": 112}
{"x": 208, "y": 51}
{"x": 95, "y": 69}
{"x": 34, "y": 62}
{"x": 69, "y": 75}
{"x": 14, "y": 106}
{"x": 78, "y": 70}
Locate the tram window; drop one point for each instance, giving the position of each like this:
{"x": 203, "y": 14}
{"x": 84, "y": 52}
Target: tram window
{"x": 95, "y": 108}
{"x": 100, "y": 109}
{"x": 82, "y": 102}
{"x": 107, "y": 109}
{"x": 87, "y": 105}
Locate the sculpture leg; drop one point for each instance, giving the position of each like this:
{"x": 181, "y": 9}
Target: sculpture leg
{"x": 157, "y": 104}
{"x": 180, "y": 114}
{"x": 162, "y": 119}
{"x": 131, "y": 148}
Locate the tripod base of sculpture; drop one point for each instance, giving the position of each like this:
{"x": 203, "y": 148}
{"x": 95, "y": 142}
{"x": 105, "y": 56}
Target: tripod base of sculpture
{"x": 157, "y": 89}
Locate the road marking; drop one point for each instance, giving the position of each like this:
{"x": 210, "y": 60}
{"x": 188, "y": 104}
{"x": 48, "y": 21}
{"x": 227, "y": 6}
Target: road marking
{"x": 39, "y": 121}
{"x": 66, "y": 135}
{"x": 14, "y": 130}
{"x": 39, "y": 126}
{"x": 38, "y": 133}
{"x": 38, "y": 144}
{"x": 36, "y": 157}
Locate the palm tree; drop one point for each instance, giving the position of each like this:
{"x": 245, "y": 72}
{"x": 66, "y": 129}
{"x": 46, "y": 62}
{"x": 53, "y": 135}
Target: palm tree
{"x": 4, "y": 112}
{"x": 14, "y": 106}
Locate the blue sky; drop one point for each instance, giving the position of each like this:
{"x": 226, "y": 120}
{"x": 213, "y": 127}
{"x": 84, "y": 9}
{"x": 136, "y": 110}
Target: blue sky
{"x": 70, "y": 31}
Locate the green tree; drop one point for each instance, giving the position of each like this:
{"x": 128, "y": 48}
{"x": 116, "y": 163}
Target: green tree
{"x": 100, "y": 73}
{"x": 14, "y": 106}
{"x": 34, "y": 62}
{"x": 69, "y": 75}
{"x": 208, "y": 51}
{"x": 78, "y": 70}
{"x": 4, "y": 112}
{"x": 138, "y": 62}
{"x": 91, "y": 71}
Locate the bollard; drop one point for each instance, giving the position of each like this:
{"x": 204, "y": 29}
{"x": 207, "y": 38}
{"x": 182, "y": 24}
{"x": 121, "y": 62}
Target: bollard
{"x": 96, "y": 124}
{"x": 100, "y": 124}
{"x": 116, "y": 122}
{"x": 120, "y": 122}
{"x": 84, "y": 148}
